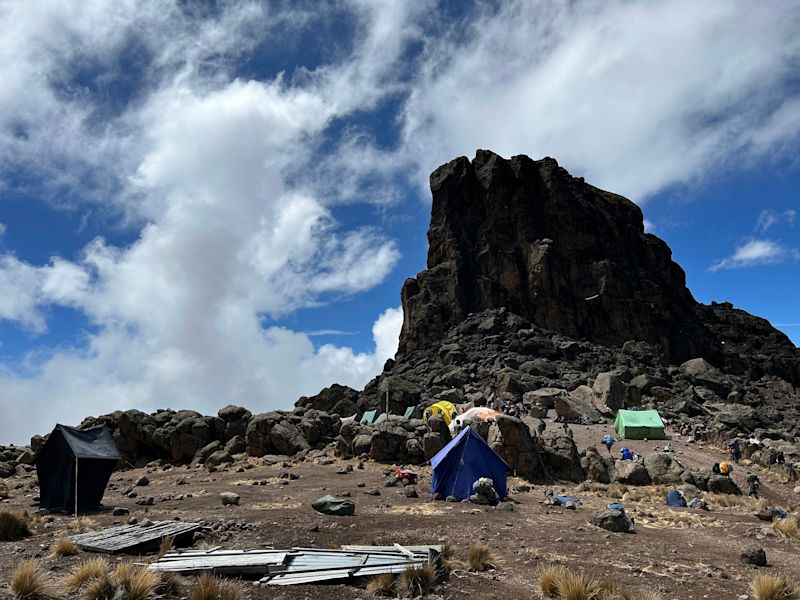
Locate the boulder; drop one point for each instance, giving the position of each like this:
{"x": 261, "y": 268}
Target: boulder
{"x": 611, "y": 520}
{"x": 722, "y": 484}
{"x": 663, "y": 468}
{"x": 432, "y": 443}
{"x": 236, "y": 445}
{"x": 704, "y": 374}
{"x": 574, "y": 408}
{"x": 544, "y": 396}
{"x": 561, "y": 456}
{"x": 611, "y": 389}
{"x": 333, "y": 506}
{"x": 512, "y": 440}
{"x": 754, "y": 555}
{"x": 236, "y": 419}
{"x": 595, "y": 466}
{"x": 7, "y": 469}
{"x": 229, "y": 498}
{"x": 629, "y": 472}
{"x": 218, "y": 458}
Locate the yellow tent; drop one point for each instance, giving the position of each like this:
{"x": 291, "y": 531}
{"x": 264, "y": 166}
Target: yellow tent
{"x": 444, "y": 408}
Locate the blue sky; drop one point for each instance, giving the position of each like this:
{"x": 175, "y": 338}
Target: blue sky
{"x": 205, "y": 203}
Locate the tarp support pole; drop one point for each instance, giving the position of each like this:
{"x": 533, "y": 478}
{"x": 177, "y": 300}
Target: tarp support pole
{"x": 76, "y": 487}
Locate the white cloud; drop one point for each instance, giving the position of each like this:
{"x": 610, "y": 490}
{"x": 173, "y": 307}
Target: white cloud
{"x": 2, "y": 231}
{"x": 634, "y": 96}
{"x": 649, "y": 227}
{"x": 755, "y": 252}
{"x": 769, "y": 217}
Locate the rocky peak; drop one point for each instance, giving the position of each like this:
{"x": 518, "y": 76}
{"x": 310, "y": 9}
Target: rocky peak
{"x": 525, "y": 235}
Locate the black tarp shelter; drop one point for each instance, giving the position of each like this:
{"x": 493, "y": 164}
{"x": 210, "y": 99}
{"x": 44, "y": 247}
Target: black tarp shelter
{"x": 85, "y": 456}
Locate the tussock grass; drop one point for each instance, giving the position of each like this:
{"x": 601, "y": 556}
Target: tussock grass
{"x": 169, "y": 585}
{"x": 99, "y": 588}
{"x": 64, "y": 547}
{"x": 416, "y": 581}
{"x": 788, "y": 527}
{"x": 381, "y": 585}
{"x": 556, "y": 581}
{"x": 773, "y": 587}
{"x": 164, "y": 549}
{"x": 4, "y": 491}
{"x": 82, "y": 524}
{"x": 209, "y": 587}
{"x": 29, "y": 582}
{"x": 479, "y": 557}
{"x": 13, "y": 526}
{"x": 86, "y": 571}
{"x": 577, "y": 586}
{"x": 137, "y": 582}
{"x": 550, "y": 576}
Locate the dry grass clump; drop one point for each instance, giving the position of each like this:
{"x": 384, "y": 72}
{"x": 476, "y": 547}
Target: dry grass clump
{"x": 416, "y": 581}
{"x": 82, "y": 524}
{"x": 480, "y": 558}
{"x": 13, "y": 526}
{"x": 64, "y": 547}
{"x": 788, "y": 527}
{"x": 577, "y": 586}
{"x": 164, "y": 549}
{"x": 99, "y": 588}
{"x": 556, "y": 581}
{"x": 169, "y": 584}
{"x": 209, "y": 587}
{"x": 550, "y": 577}
{"x": 381, "y": 585}
{"x": 4, "y": 492}
{"x": 86, "y": 571}
{"x": 773, "y": 587}
{"x": 137, "y": 582}
{"x": 29, "y": 582}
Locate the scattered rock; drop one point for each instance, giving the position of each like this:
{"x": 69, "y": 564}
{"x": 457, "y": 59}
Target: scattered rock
{"x": 754, "y": 555}
{"x": 229, "y": 498}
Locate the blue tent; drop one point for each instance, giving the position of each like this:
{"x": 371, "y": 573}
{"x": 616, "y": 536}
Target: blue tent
{"x": 462, "y": 462}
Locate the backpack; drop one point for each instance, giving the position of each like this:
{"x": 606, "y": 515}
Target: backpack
{"x": 608, "y": 440}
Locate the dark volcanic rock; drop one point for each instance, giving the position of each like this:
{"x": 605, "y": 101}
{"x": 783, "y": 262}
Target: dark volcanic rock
{"x": 527, "y": 236}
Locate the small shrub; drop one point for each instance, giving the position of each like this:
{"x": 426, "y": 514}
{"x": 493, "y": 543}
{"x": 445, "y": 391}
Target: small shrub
{"x": 29, "y": 582}
{"x": 209, "y": 587}
{"x": 85, "y": 571}
{"x": 82, "y": 524}
{"x": 64, "y": 547}
{"x": 642, "y": 595}
{"x": 479, "y": 557}
{"x": 773, "y": 587}
{"x": 416, "y": 581}
{"x": 13, "y": 527}
{"x": 381, "y": 585}
{"x": 550, "y": 578}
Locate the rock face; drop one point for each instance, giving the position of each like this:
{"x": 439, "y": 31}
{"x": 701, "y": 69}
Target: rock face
{"x": 526, "y": 236}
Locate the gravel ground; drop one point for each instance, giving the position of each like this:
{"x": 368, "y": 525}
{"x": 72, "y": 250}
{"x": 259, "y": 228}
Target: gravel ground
{"x": 685, "y": 554}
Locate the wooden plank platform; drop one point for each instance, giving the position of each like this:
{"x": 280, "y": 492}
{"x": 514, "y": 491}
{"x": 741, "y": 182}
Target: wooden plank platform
{"x": 134, "y": 539}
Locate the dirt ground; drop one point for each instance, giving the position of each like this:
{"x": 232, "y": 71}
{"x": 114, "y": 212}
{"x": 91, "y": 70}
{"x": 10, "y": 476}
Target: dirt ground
{"x": 684, "y": 554}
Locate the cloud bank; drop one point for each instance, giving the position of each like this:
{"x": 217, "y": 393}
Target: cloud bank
{"x": 229, "y": 173}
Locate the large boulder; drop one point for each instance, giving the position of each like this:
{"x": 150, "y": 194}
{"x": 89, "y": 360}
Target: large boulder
{"x": 722, "y": 484}
{"x": 615, "y": 521}
{"x": 432, "y": 443}
{"x": 702, "y": 373}
{"x": 561, "y": 456}
{"x": 273, "y": 433}
{"x": 544, "y": 396}
{"x": 512, "y": 440}
{"x": 664, "y": 468}
{"x": 575, "y": 408}
{"x": 333, "y": 506}
{"x": 595, "y": 466}
{"x": 611, "y": 389}
{"x": 338, "y": 399}
{"x": 629, "y": 472}
{"x": 235, "y": 419}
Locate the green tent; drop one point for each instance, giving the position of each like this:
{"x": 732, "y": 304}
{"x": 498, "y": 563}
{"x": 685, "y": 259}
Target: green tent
{"x": 639, "y": 424}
